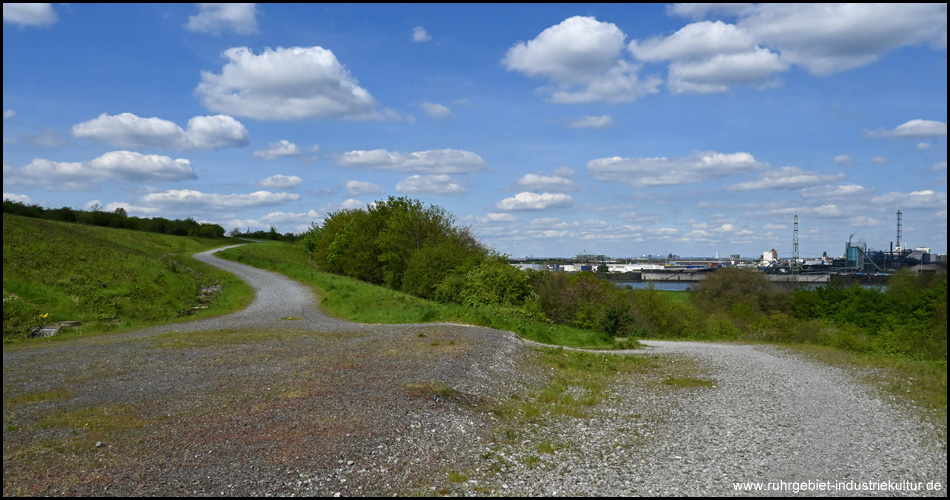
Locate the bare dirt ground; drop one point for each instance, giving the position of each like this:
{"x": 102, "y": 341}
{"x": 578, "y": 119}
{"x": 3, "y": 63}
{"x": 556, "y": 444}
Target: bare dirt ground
{"x": 254, "y": 404}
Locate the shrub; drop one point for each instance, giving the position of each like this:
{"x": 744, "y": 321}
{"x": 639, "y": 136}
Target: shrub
{"x": 495, "y": 282}
{"x": 723, "y": 288}
{"x": 658, "y": 315}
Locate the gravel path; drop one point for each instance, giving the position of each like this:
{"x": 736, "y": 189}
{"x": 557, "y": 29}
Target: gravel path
{"x": 769, "y": 417}
{"x": 255, "y": 404}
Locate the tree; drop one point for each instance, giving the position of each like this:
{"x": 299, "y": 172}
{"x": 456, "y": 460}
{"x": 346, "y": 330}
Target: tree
{"x": 321, "y": 237}
{"x": 380, "y": 244}
{"x": 353, "y": 251}
{"x": 406, "y": 227}
{"x": 429, "y": 267}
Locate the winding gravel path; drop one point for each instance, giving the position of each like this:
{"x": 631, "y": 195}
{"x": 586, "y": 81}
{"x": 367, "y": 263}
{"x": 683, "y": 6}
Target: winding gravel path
{"x": 320, "y": 406}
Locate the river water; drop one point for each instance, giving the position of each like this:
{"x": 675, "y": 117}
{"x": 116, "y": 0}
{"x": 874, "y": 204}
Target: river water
{"x": 680, "y": 286}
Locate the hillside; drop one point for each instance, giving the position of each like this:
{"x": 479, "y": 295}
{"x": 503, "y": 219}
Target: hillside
{"x": 106, "y": 279}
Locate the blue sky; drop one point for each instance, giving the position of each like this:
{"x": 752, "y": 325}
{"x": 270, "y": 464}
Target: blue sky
{"x": 550, "y": 130}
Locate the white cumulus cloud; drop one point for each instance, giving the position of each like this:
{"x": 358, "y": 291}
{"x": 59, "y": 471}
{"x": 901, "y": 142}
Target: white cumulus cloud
{"x": 583, "y": 58}
{"x": 214, "y": 18}
{"x": 182, "y": 199}
{"x": 127, "y": 130}
{"x": 787, "y": 178}
{"x": 915, "y": 129}
{"x": 709, "y": 57}
{"x": 113, "y": 166}
{"x": 437, "y": 111}
{"x": 285, "y": 84}
{"x": 823, "y": 38}
{"x": 30, "y": 14}
{"x": 829, "y": 38}
{"x": 439, "y": 161}
{"x": 545, "y": 183}
{"x": 534, "y": 201}
{"x": 843, "y": 160}
{"x": 602, "y": 121}
{"x": 22, "y": 198}
{"x": 277, "y": 150}
{"x": 916, "y": 199}
{"x": 645, "y": 172}
{"x": 430, "y": 184}
{"x": 281, "y": 182}
{"x": 419, "y": 34}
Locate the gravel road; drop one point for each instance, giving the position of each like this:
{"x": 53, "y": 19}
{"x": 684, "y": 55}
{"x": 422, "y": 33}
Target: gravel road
{"x": 255, "y": 404}
{"x": 769, "y": 419}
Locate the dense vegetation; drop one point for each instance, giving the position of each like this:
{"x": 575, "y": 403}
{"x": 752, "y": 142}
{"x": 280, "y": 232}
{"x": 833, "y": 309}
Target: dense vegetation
{"x": 407, "y": 247}
{"x": 107, "y": 279}
{"x": 909, "y": 319}
{"x": 418, "y": 250}
{"x": 117, "y": 218}
{"x": 398, "y": 243}
{"x": 356, "y": 300}
{"x": 270, "y": 234}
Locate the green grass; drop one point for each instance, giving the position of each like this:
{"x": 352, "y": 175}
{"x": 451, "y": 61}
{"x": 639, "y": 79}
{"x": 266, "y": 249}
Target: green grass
{"x": 546, "y": 447}
{"x": 211, "y": 338}
{"x": 688, "y": 382}
{"x": 107, "y": 279}
{"x": 37, "y": 397}
{"x": 577, "y": 383}
{"x": 456, "y": 477}
{"x": 354, "y": 300}
{"x": 676, "y": 297}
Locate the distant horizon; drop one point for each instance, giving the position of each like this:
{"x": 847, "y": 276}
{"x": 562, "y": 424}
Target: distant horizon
{"x": 658, "y": 256}
{"x": 618, "y": 129}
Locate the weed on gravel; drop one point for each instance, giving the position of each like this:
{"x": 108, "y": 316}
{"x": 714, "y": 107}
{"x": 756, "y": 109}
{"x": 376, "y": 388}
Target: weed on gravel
{"x": 566, "y": 384}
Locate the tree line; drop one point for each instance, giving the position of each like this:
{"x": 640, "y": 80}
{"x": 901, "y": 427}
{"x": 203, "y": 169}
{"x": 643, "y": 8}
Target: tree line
{"x": 117, "y": 218}
{"x": 260, "y": 234}
{"x": 407, "y": 246}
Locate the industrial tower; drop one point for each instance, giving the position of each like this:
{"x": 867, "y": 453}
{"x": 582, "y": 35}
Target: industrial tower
{"x": 795, "y": 247}
{"x": 900, "y": 248}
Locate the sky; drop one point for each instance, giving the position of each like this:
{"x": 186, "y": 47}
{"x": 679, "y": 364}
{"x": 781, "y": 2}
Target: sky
{"x": 550, "y": 130}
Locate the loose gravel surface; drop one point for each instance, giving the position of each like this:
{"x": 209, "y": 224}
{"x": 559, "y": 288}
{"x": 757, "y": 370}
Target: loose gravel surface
{"x": 280, "y": 399}
{"x": 759, "y": 421}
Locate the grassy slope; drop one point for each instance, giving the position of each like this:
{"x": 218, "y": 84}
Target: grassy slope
{"x": 108, "y": 279}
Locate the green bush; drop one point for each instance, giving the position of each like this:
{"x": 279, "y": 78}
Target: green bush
{"x": 909, "y": 319}
{"x": 725, "y": 287}
{"x": 654, "y": 313}
{"x": 495, "y": 282}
